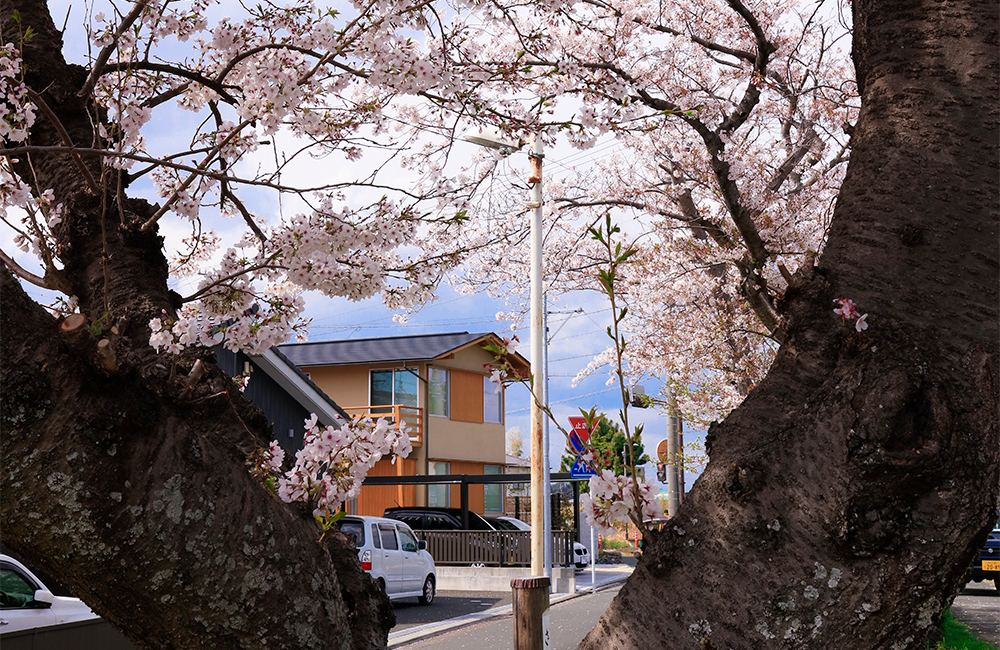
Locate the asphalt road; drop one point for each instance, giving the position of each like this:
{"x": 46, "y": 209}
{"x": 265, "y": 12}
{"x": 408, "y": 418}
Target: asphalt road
{"x": 446, "y": 605}
{"x": 978, "y": 606}
{"x": 569, "y": 622}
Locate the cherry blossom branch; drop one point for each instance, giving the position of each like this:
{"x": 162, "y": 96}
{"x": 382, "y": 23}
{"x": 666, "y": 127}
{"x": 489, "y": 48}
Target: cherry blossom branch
{"x": 717, "y": 233}
{"x": 232, "y": 276}
{"x": 664, "y": 29}
{"x": 191, "y": 178}
{"x": 786, "y": 168}
{"x": 149, "y": 66}
{"x": 102, "y": 58}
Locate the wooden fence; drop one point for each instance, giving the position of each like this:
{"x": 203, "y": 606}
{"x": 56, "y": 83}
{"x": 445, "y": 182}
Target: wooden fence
{"x": 492, "y": 548}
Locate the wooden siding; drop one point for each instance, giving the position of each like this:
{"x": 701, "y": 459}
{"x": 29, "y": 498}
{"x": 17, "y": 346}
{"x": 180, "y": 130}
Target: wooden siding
{"x": 466, "y": 396}
{"x": 477, "y": 499}
{"x": 374, "y": 499}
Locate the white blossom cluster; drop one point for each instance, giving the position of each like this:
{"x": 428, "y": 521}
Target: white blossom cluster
{"x": 617, "y": 499}
{"x": 333, "y": 462}
{"x": 17, "y": 112}
{"x": 254, "y": 331}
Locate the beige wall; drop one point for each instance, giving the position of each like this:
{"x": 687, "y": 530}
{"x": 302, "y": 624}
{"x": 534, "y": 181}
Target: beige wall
{"x": 445, "y": 439}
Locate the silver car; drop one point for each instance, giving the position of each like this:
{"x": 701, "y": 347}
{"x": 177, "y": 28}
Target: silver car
{"x": 581, "y": 556}
{"x": 391, "y": 553}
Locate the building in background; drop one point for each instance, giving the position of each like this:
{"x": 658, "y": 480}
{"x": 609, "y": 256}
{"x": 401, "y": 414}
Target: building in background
{"x": 439, "y": 385}
{"x": 283, "y": 392}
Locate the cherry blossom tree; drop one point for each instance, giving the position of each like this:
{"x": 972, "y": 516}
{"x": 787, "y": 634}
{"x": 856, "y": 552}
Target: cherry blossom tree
{"x": 844, "y": 496}
{"x": 731, "y": 130}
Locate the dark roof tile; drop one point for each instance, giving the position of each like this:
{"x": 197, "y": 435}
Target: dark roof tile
{"x": 419, "y": 347}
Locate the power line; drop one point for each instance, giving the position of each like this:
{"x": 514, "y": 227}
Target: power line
{"x": 569, "y": 399}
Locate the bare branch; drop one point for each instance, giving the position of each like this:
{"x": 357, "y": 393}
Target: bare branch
{"x": 102, "y": 59}
{"x": 52, "y": 280}
{"x": 786, "y": 167}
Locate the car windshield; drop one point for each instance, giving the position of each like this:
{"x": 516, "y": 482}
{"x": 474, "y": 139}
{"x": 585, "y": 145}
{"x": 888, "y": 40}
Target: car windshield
{"x": 500, "y": 524}
{"x": 357, "y": 528}
{"x": 517, "y": 524}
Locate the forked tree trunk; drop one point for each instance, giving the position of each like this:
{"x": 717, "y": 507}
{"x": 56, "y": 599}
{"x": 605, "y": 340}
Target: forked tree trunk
{"x": 126, "y": 482}
{"x": 845, "y": 498}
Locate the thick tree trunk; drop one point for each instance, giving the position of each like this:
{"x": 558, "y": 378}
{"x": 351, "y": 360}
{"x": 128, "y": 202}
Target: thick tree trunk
{"x": 121, "y": 480}
{"x": 845, "y": 498}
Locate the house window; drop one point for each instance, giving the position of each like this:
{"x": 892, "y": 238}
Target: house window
{"x": 438, "y": 391}
{"x": 493, "y": 492}
{"x": 394, "y": 387}
{"x": 438, "y": 495}
{"x": 492, "y": 401}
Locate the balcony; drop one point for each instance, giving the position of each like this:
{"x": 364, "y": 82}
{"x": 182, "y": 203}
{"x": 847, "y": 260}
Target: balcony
{"x": 412, "y": 416}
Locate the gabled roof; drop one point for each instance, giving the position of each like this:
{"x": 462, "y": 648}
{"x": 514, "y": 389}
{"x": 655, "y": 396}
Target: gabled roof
{"x": 297, "y": 384}
{"x": 419, "y": 347}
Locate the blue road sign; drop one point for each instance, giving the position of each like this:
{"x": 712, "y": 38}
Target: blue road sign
{"x": 575, "y": 443}
{"x": 581, "y": 469}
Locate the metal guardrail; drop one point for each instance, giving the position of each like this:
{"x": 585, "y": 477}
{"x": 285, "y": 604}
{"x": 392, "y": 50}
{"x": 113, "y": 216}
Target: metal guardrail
{"x": 492, "y": 548}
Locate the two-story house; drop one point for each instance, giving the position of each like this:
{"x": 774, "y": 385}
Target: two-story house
{"x": 439, "y": 385}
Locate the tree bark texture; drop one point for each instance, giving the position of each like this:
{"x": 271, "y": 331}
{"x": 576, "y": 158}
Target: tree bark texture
{"x": 120, "y": 479}
{"x": 845, "y": 498}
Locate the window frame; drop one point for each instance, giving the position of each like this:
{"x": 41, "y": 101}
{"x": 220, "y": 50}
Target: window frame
{"x": 402, "y": 532}
{"x": 487, "y": 487}
{"x": 391, "y": 529}
{"x": 440, "y": 486}
{"x": 489, "y": 393}
{"x": 30, "y": 603}
{"x": 394, "y": 399}
{"x": 447, "y": 391}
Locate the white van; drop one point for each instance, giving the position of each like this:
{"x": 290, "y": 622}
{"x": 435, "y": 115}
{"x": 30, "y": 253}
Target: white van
{"x": 390, "y": 552}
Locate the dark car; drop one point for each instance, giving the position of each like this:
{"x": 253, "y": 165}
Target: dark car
{"x": 987, "y": 565}
{"x": 419, "y": 518}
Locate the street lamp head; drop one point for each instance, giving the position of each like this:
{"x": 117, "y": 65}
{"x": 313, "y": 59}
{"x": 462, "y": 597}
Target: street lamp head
{"x": 492, "y": 137}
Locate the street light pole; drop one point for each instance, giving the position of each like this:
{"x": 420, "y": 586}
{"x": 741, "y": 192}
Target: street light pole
{"x": 541, "y": 525}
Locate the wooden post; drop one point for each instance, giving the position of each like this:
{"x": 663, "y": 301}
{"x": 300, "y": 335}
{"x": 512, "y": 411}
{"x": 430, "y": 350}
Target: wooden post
{"x": 531, "y": 613}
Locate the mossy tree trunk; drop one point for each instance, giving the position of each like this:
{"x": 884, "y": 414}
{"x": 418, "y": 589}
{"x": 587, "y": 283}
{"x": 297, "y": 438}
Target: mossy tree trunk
{"x": 121, "y": 479}
{"x": 845, "y": 498}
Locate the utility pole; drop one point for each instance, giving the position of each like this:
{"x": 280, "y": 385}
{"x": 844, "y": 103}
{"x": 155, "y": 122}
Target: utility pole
{"x": 539, "y": 458}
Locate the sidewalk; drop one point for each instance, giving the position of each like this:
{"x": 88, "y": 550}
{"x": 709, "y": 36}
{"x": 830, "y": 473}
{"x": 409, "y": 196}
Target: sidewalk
{"x": 571, "y": 616}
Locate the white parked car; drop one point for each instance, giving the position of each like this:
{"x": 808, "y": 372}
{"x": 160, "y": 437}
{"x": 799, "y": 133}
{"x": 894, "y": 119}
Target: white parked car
{"x": 391, "y": 553}
{"x": 26, "y": 603}
{"x": 581, "y": 556}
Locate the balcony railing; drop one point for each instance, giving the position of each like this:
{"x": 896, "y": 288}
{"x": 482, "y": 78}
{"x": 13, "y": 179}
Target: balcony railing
{"x": 412, "y": 416}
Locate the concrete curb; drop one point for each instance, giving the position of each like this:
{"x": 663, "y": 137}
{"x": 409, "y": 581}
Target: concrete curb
{"x": 404, "y": 637}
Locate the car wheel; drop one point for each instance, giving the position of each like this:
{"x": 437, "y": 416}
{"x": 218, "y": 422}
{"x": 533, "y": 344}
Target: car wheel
{"x": 381, "y": 584}
{"x": 427, "y": 597}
